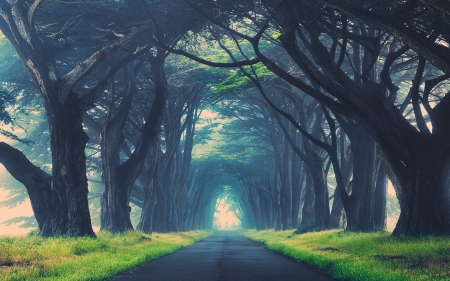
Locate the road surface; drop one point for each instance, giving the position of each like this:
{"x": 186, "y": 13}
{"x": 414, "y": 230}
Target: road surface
{"x": 224, "y": 256}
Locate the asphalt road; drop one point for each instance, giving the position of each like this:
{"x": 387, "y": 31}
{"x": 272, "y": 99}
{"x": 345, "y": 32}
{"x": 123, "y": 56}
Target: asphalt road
{"x": 221, "y": 257}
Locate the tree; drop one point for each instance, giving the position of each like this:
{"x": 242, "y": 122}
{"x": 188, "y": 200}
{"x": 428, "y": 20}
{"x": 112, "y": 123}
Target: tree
{"x": 166, "y": 192}
{"x": 366, "y": 211}
{"x": 122, "y": 176}
{"x": 34, "y": 30}
{"x": 416, "y": 157}
{"x": 321, "y": 198}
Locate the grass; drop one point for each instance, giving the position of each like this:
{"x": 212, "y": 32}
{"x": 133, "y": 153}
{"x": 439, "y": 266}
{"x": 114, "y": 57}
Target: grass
{"x": 364, "y": 256}
{"x": 62, "y": 258}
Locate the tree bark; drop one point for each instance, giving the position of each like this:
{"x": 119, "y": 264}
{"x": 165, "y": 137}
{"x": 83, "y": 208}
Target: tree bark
{"x": 424, "y": 200}
{"x": 338, "y": 217}
{"x": 68, "y": 205}
{"x": 119, "y": 179}
{"x": 149, "y": 201}
{"x": 115, "y": 213}
{"x": 308, "y": 213}
{"x": 36, "y": 181}
{"x": 380, "y": 199}
{"x": 417, "y": 157}
{"x": 360, "y": 209}
{"x": 68, "y": 141}
{"x": 59, "y": 202}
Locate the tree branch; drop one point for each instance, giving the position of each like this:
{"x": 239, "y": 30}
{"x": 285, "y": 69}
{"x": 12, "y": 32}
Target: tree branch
{"x": 68, "y": 81}
{"x": 210, "y": 63}
{"x": 32, "y": 12}
{"x": 432, "y": 52}
{"x": 87, "y": 101}
{"x": 415, "y": 97}
{"x": 36, "y": 181}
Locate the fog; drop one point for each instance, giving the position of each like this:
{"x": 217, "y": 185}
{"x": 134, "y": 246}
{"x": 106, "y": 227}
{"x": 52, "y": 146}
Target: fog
{"x": 6, "y": 213}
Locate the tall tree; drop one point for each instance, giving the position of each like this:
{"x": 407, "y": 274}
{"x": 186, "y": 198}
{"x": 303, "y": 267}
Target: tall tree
{"x": 34, "y": 30}
{"x": 420, "y": 185}
{"x": 372, "y": 105}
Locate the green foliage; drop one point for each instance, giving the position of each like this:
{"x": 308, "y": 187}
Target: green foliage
{"x": 207, "y": 46}
{"x": 5, "y": 101}
{"x": 21, "y": 110}
{"x": 62, "y": 258}
{"x": 245, "y": 137}
{"x": 364, "y": 256}
{"x": 237, "y": 81}
{"x": 7, "y": 60}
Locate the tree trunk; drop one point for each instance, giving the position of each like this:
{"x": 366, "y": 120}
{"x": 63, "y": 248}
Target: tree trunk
{"x": 365, "y": 205}
{"x": 286, "y": 187}
{"x": 36, "y": 181}
{"x": 69, "y": 203}
{"x": 361, "y": 208}
{"x": 424, "y": 199}
{"x": 115, "y": 210}
{"x": 184, "y": 167}
{"x": 298, "y": 178}
{"x": 307, "y": 216}
{"x": 148, "y": 207}
{"x": 380, "y": 199}
{"x": 120, "y": 178}
{"x": 338, "y": 218}
{"x": 315, "y": 165}
{"x": 67, "y": 210}
{"x": 321, "y": 204}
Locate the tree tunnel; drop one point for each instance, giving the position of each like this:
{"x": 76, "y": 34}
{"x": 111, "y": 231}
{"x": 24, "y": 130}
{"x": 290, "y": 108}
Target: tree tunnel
{"x": 227, "y": 214}
{"x": 279, "y": 144}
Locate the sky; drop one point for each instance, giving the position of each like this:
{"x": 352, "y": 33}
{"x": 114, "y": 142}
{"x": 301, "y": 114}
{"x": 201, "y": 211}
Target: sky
{"x": 23, "y": 209}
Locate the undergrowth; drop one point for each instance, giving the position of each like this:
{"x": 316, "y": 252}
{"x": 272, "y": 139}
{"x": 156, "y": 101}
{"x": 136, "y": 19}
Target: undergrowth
{"x": 364, "y": 256}
{"x": 63, "y": 258}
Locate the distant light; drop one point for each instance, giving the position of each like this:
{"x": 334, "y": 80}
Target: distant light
{"x": 225, "y": 217}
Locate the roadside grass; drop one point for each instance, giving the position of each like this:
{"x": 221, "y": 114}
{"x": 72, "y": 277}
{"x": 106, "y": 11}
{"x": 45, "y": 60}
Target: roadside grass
{"x": 363, "y": 256}
{"x": 63, "y": 258}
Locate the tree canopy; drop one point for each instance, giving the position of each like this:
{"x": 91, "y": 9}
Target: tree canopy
{"x": 324, "y": 100}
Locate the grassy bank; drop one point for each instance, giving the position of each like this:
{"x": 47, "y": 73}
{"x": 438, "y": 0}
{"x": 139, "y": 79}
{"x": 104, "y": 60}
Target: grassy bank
{"x": 35, "y": 258}
{"x": 364, "y": 256}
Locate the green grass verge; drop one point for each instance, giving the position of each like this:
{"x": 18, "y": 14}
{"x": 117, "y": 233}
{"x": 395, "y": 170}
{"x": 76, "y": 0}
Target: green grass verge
{"x": 363, "y": 256}
{"x": 62, "y": 258}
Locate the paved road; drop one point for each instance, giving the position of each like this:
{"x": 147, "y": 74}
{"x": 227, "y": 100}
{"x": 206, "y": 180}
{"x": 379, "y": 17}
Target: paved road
{"x": 221, "y": 257}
